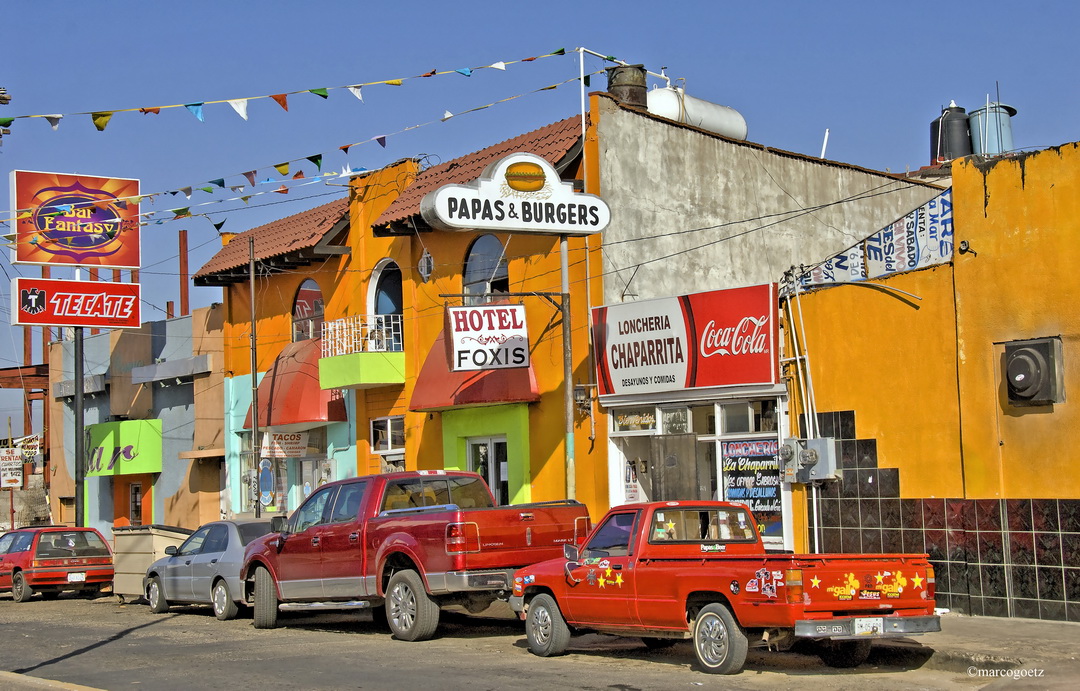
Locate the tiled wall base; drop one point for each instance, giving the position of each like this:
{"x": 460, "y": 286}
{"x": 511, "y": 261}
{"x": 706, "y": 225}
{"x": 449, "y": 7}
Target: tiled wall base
{"x": 993, "y": 557}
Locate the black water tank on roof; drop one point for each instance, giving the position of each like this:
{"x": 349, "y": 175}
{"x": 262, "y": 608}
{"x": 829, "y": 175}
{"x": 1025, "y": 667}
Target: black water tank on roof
{"x": 949, "y": 136}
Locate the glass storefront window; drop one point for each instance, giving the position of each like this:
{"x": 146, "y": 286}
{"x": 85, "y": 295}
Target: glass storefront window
{"x": 388, "y": 434}
{"x": 734, "y": 417}
{"x": 675, "y": 421}
{"x": 704, "y": 419}
{"x": 633, "y": 420}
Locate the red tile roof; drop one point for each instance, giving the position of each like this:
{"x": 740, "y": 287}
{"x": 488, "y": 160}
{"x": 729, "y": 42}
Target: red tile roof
{"x": 285, "y": 236}
{"x": 551, "y": 143}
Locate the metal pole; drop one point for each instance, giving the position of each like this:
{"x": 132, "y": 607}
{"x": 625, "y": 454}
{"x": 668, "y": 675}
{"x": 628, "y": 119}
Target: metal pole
{"x": 254, "y": 378}
{"x": 80, "y": 442}
{"x": 11, "y": 441}
{"x": 568, "y": 372}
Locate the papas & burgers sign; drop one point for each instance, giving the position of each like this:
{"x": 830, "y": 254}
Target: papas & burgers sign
{"x": 519, "y": 193}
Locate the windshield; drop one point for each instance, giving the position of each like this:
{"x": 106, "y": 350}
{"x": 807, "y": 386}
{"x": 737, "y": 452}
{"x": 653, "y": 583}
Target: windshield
{"x": 71, "y": 544}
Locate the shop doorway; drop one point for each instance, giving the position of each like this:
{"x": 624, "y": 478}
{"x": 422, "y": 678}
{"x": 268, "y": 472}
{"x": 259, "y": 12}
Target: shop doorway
{"x": 674, "y": 471}
{"x": 487, "y": 456}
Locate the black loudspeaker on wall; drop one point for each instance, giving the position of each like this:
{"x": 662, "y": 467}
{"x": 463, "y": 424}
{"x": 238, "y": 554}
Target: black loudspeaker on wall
{"x": 1034, "y": 372}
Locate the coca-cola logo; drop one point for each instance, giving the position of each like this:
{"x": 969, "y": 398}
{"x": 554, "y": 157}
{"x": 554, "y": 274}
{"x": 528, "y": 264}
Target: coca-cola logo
{"x": 749, "y": 337}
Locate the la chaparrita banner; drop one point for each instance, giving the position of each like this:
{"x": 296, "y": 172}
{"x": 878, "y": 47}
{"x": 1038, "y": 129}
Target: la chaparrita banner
{"x": 711, "y": 339}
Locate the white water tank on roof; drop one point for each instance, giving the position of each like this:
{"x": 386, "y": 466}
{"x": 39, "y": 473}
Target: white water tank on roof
{"x": 673, "y": 103}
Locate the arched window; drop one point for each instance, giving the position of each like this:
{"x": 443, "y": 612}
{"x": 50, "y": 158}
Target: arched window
{"x": 384, "y": 325}
{"x": 485, "y": 269}
{"x": 307, "y": 312}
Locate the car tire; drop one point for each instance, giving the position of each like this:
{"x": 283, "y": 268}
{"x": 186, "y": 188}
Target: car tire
{"x": 266, "y": 600}
{"x": 20, "y": 589}
{"x": 224, "y": 607}
{"x": 844, "y": 654}
{"x": 658, "y": 643}
{"x": 545, "y": 627}
{"x": 719, "y": 642}
{"x": 155, "y": 595}
{"x": 412, "y": 614}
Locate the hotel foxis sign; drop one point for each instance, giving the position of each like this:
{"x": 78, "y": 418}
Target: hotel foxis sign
{"x": 718, "y": 338}
{"x": 521, "y": 193}
{"x": 95, "y": 304}
{"x": 483, "y": 337}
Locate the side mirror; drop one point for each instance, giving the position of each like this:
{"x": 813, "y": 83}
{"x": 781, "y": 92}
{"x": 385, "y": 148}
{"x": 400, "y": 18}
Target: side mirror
{"x": 570, "y": 552}
{"x": 171, "y": 550}
{"x": 278, "y": 524}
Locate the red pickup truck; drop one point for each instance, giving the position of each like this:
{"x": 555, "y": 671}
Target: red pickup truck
{"x": 697, "y": 569}
{"x": 409, "y": 542}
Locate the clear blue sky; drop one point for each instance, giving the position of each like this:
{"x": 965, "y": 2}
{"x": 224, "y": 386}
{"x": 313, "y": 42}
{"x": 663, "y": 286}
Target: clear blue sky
{"x": 874, "y": 74}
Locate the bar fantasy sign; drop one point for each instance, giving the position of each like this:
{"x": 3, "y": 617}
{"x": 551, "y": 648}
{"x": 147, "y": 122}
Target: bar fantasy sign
{"x": 484, "y": 337}
{"x": 519, "y": 193}
{"x": 124, "y": 448}
{"x": 718, "y": 338}
{"x": 95, "y": 304}
{"x": 79, "y": 220}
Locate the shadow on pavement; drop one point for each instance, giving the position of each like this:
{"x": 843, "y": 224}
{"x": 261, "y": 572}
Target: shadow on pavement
{"x": 93, "y": 646}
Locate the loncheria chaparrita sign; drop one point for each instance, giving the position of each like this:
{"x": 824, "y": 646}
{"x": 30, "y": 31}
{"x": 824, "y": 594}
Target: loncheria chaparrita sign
{"x": 521, "y": 193}
{"x": 80, "y": 220}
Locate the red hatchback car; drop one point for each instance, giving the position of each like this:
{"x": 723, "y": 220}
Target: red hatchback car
{"x": 52, "y": 559}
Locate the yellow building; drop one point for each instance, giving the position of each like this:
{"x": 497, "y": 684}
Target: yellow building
{"x": 948, "y": 388}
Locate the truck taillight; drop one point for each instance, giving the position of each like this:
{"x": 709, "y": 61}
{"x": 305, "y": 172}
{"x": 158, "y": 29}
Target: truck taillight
{"x": 462, "y": 537}
{"x": 793, "y": 581}
{"x": 931, "y": 588}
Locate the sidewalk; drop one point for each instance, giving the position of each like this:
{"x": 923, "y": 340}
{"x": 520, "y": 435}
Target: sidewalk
{"x": 972, "y": 644}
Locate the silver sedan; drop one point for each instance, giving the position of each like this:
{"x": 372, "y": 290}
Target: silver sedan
{"x": 205, "y": 569}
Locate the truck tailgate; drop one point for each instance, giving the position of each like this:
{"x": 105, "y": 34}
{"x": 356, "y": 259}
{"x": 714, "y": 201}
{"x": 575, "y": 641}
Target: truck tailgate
{"x": 851, "y": 583}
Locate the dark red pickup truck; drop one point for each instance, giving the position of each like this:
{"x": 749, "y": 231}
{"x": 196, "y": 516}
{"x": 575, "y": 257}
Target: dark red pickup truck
{"x": 671, "y": 570}
{"x": 410, "y": 542}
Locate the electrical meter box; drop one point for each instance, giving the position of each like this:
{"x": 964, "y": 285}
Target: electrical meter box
{"x": 807, "y": 460}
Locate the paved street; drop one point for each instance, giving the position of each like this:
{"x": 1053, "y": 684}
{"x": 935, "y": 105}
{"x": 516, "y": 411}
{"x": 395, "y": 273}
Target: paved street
{"x": 105, "y": 645}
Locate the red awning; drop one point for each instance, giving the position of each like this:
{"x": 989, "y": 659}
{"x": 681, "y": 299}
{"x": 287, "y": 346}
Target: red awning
{"x": 437, "y": 388}
{"x": 290, "y": 394}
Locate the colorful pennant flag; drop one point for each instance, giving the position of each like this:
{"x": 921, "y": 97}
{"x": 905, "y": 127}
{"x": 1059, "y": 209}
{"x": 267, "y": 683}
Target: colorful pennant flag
{"x": 282, "y": 168}
{"x": 149, "y": 111}
{"x": 54, "y": 121}
{"x": 282, "y": 100}
{"x": 317, "y": 160}
{"x": 240, "y": 106}
{"x": 101, "y": 120}
{"x": 196, "y": 110}
{"x": 319, "y": 92}
{"x": 356, "y": 92}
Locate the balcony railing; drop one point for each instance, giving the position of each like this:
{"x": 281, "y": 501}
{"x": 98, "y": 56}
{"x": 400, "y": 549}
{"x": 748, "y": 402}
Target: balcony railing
{"x": 371, "y": 333}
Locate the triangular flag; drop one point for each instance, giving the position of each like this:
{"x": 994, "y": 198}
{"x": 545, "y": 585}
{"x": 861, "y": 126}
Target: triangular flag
{"x": 499, "y": 65}
{"x": 549, "y": 88}
{"x": 382, "y": 140}
{"x": 465, "y": 71}
{"x": 208, "y": 189}
{"x": 527, "y": 59}
{"x": 196, "y": 110}
{"x": 560, "y": 51}
{"x": 317, "y": 160}
{"x": 148, "y": 111}
{"x": 54, "y": 120}
{"x": 282, "y": 190}
{"x": 282, "y": 100}
{"x": 393, "y": 82}
{"x": 180, "y": 213}
{"x": 446, "y": 115}
{"x": 282, "y": 168}
{"x": 240, "y": 106}
{"x": 432, "y": 73}
{"x": 299, "y": 175}
{"x": 101, "y": 120}
{"x": 245, "y": 199}
{"x": 587, "y": 79}
{"x": 356, "y": 92}
{"x": 6, "y": 122}
{"x": 344, "y": 171}
{"x": 186, "y": 191}
{"x": 345, "y": 148}
{"x": 220, "y": 182}
{"x": 218, "y": 226}
{"x": 319, "y": 92}
{"x": 238, "y": 188}
{"x": 250, "y": 175}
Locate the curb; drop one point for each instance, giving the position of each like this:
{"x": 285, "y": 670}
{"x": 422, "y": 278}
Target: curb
{"x": 944, "y": 659}
{"x": 14, "y": 680}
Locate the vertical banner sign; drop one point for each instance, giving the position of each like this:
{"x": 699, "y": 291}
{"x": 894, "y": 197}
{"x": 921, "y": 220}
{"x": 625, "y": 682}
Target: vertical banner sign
{"x": 11, "y": 469}
{"x": 79, "y": 220}
{"x": 717, "y": 338}
{"x": 483, "y": 337}
{"x": 752, "y": 476}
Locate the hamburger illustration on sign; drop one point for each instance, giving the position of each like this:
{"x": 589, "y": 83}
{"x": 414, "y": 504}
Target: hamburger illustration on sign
{"x": 519, "y": 193}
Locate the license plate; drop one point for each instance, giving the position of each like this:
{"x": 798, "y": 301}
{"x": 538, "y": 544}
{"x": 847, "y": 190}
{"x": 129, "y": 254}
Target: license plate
{"x": 77, "y": 577}
{"x": 866, "y": 626}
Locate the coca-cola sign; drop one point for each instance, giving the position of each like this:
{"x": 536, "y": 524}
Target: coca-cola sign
{"x": 718, "y": 338}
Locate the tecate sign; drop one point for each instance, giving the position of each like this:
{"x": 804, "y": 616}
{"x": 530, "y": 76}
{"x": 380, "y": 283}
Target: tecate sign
{"x": 95, "y": 304}
{"x": 719, "y": 338}
{"x": 486, "y": 337}
{"x": 519, "y": 193}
